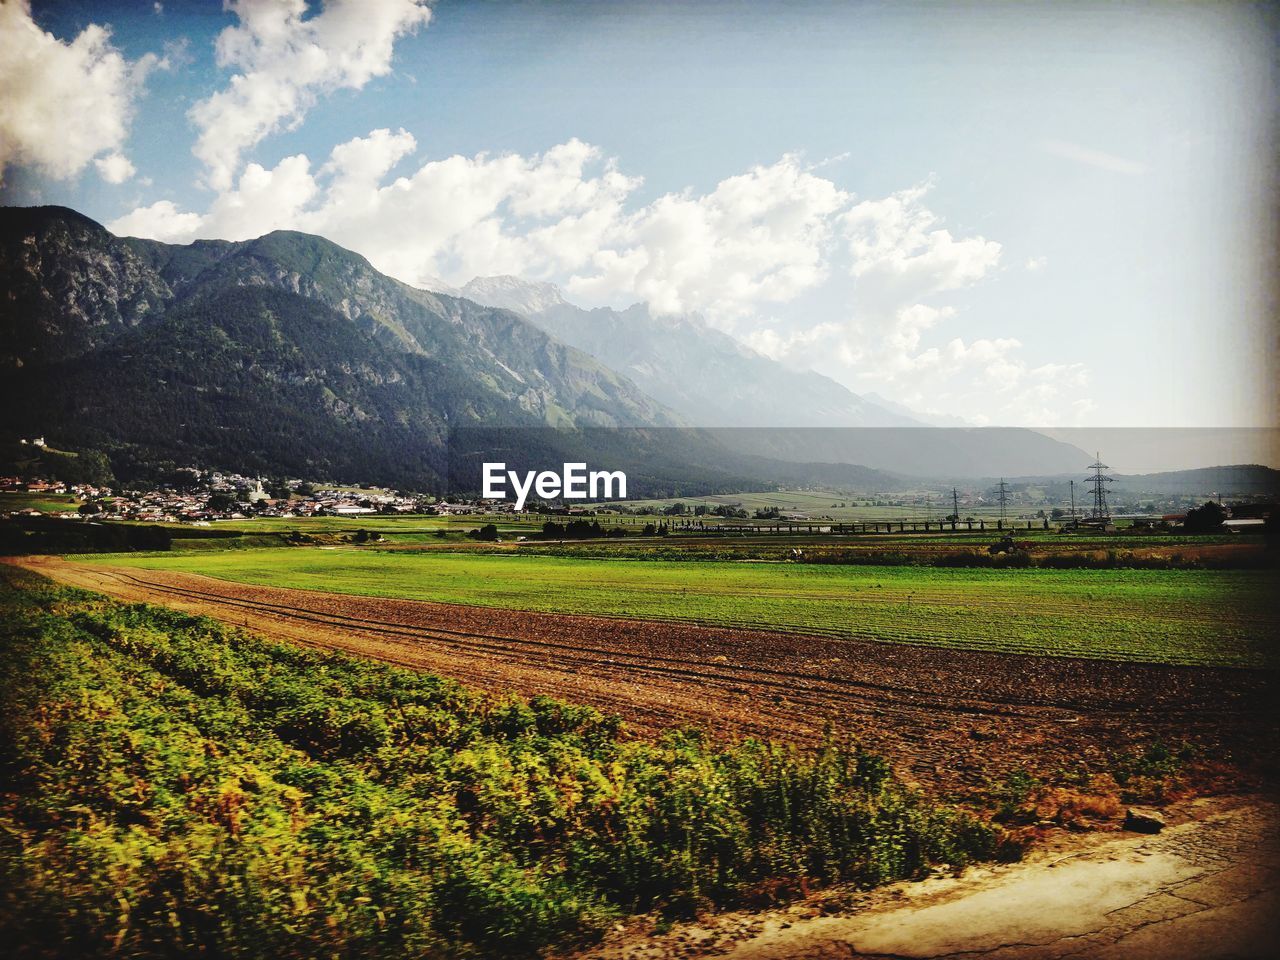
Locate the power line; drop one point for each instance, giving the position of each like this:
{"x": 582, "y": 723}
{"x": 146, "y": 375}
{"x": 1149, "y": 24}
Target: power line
{"x": 1004, "y": 497}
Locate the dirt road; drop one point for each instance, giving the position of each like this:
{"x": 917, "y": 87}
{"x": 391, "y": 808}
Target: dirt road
{"x": 945, "y": 718}
{"x": 1207, "y": 888}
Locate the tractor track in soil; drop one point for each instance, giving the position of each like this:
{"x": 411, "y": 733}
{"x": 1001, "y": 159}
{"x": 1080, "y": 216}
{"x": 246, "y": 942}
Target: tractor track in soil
{"x": 946, "y": 718}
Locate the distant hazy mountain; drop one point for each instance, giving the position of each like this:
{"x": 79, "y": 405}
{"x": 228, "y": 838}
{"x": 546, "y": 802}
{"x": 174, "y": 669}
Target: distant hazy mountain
{"x": 285, "y": 354}
{"x": 714, "y": 381}
{"x": 706, "y": 376}
{"x": 930, "y": 453}
{"x": 512, "y": 293}
{"x": 932, "y": 419}
{"x": 1226, "y": 481}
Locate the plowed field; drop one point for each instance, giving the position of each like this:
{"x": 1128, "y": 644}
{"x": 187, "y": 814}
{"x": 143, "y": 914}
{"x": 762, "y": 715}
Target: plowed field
{"x": 947, "y": 718}
{"x": 1202, "y": 617}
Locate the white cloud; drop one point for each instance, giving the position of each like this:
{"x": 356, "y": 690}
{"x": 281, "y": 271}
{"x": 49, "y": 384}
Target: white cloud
{"x": 455, "y": 217}
{"x": 828, "y": 161}
{"x": 1036, "y": 264}
{"x": 114, "y": 168}
{"x": 778, "y": 346}
{"x": 760, "y": 237}
{"x": 1090, "y": 157}
{"x": 756, "y": 238}
{"x": 64, "y": 104}
{"x": 900, "y": 250}
{"x": 904, "y": 261}
{"x": 285, "y": 60}
{"x": 161, "y": 220}
{"x": 264, "y": 200}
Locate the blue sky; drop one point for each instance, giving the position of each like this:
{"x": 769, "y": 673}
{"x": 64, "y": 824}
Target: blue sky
{"x": 1035, "y": 214}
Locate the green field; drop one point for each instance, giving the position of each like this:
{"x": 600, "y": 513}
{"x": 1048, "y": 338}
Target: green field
{"x": 820, "y": 503}
{"x": 1173, "y": 616}
{"x": 381, "y": 523}
{"x": 44, "y": 502}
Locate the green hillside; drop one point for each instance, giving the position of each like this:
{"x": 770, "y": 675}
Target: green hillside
{"x": 286, "y": 353}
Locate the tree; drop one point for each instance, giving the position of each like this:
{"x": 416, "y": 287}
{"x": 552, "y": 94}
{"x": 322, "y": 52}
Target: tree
{"x": 183, "y": 478}
{"x": 1205, "y": 519}
{"x": 221, "y": 502}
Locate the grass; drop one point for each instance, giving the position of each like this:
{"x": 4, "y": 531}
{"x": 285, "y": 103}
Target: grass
{"x": 44, "y": 502}
{"x": 1171, "y": 616}
{"x": 381, "y": 523}
{"x": 174, "y": 788}
{"x": 819, "y": 503}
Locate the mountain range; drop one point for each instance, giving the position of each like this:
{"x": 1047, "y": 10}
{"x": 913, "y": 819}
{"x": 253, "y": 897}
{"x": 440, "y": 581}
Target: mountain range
{"x": 757, "y": 406}
{"x": 291, "y": 356}
{"x": 286, "y": 353}
{"x": 704, "y": 375}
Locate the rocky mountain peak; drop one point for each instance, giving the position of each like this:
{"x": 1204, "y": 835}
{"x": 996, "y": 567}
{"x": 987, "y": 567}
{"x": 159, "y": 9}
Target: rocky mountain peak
{"x": 514, "y": 293}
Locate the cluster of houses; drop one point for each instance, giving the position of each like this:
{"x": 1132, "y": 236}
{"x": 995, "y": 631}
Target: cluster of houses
{"x": 52, "y": 487}
{"x": 219, "y": 496}
{"x": 205, "y": 497}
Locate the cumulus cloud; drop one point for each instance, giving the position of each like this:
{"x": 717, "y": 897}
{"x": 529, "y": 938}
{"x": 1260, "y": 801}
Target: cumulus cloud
{"x": 904, "y": 263}
{"x": 114, "y": 168}
{"x": 756, "y": 238}
{"x": 453, "y": 218}
{"x": 900, "y": 251}
{"x": 65, "y": 104}
{"x": 161, "y": 220}
{"x": 284, "y": 60}
{"x": 770, "y": 342}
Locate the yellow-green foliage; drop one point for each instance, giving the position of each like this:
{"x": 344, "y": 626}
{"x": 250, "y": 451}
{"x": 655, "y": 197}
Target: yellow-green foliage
{"x": 174, "y": 787}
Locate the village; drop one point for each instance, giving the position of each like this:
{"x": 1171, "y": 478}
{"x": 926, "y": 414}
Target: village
{"x": 213, "y": 495}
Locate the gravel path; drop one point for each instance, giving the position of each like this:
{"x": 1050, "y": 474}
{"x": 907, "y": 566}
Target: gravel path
{"x": 1207, "y": 888}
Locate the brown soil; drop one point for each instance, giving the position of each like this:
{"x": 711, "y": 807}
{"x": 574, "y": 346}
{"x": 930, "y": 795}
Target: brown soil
{"x": 946, "y": 718}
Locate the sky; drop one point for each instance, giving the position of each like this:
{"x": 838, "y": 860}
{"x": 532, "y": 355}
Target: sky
{"x": 1051, "y": 215}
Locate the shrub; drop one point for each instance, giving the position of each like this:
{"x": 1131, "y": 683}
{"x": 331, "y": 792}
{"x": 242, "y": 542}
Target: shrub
{"x": 174, "y": 787}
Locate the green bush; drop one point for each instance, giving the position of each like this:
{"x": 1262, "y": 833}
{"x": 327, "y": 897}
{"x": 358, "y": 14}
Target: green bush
{"x": 173, "y": 786}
